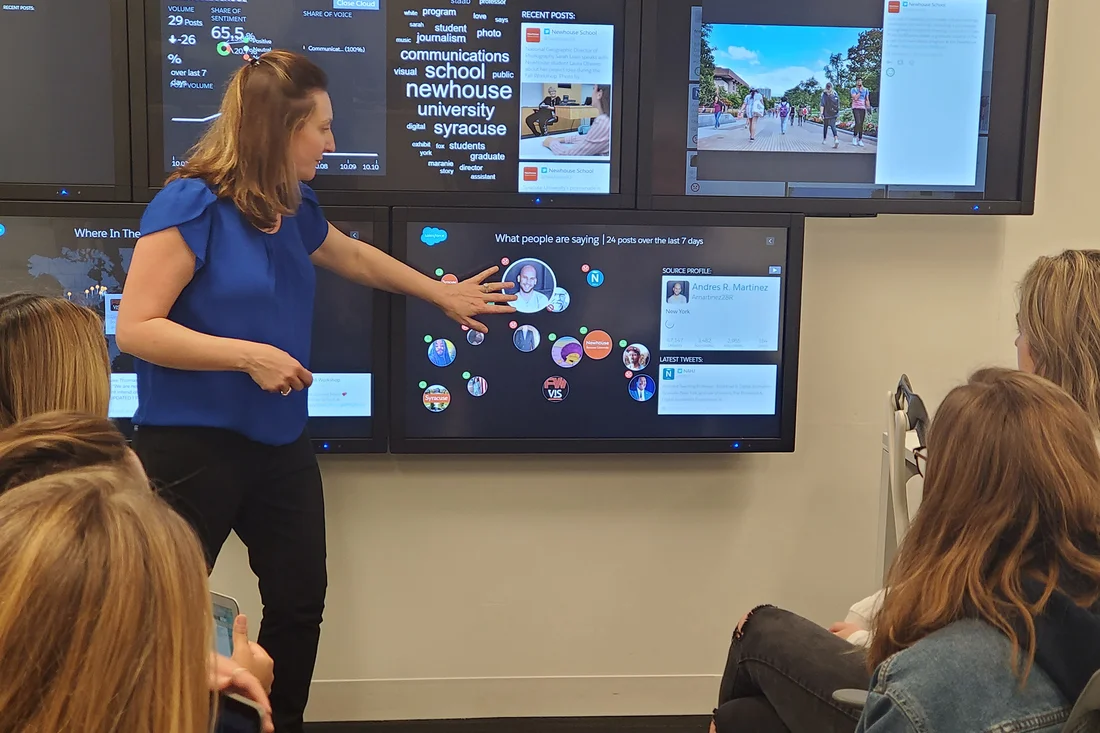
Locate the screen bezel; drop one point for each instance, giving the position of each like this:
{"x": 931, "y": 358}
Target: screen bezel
{"x": 792, "y": 303}
{"x": 379, "y": 219}
{"x": 145, "y": 88}
{"x": 122, "y": 189}
{"x": 844, "y": 207}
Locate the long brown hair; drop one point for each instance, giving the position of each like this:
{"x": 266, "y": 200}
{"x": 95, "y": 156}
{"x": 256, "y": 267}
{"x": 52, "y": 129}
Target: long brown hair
{"x": 1011, "y": 492}
{"x": 245, "y": 154}
{"x": 52, "y": 442}
{"x": 53, "y": 356}
{"x": 106, "y": 625}
{"x": 1059, "y": 317}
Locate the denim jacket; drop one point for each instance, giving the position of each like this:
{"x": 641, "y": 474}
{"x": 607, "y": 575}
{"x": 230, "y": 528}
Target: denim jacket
{"x": 960, "y": 680}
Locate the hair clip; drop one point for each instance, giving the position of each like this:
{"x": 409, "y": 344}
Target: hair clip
{"x": 250, "y": 59}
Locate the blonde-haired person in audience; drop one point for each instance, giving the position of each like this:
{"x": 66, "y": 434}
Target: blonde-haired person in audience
{"x": 991, "y": 620}
{"x": 1059, "y": 339}
{"x": 60, "y": 443}
{"x": 53, "y": 356}
{"x": 106, "y": 626}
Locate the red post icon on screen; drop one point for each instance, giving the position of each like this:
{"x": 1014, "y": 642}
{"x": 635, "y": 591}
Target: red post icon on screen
{"x": 530, "y": 173}
{"x": 894, "y": 6}
{"x": 534, "y": 35}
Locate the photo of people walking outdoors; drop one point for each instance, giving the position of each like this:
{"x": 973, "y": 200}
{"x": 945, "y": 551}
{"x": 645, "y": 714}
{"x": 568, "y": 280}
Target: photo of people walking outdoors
{"x": 802, "y": 89}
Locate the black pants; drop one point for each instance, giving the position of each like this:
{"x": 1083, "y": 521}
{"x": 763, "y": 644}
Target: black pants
{"x": 781, "y": 675}
{"x": 540, "y": 119}
{"x": 861, "y": 119}
{"x": 271, "y": 497}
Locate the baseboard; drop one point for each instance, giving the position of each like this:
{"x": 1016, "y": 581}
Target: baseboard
{"x": 655, "y": 724}
{"x": 512, "y": 697}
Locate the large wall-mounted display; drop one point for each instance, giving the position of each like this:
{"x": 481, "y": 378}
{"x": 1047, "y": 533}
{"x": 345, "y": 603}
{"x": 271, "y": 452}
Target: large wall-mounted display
{"x": 511, "y": 98}
{"x": 850, "y": 107}
{"x": 83, "y": 255}
{"x": 633, "y": 333}
{"x": 64, "y": 130}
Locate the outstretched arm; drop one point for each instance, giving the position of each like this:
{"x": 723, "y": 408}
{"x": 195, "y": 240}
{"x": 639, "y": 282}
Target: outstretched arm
{"x": 367, "y": 265}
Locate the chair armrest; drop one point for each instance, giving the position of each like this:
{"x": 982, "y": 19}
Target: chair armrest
{"x": 851, "y": 698}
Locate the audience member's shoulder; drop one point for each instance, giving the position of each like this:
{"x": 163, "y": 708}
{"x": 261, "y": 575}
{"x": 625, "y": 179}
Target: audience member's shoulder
{"x": 965, "y": 666}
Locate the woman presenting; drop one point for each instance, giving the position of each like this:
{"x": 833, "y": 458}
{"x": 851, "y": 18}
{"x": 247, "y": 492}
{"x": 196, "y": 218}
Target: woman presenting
{"x": 218, "y": 310}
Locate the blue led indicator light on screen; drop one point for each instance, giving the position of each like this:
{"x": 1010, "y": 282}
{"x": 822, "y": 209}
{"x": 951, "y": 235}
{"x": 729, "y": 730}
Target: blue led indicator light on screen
{"x": 2, "y": 230}
{"x": 735, "y": 445}
{"x": 977, "y": 208}
{"x": 325, "y": 446}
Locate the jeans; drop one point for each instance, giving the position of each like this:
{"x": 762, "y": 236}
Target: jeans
{"x": 827, "y": 124}
{"x": 271, "y": 496}
{"x": 717, "y": 119}
{"x": 861, "y": 119}
{"x": 783, "y": 124}
{"x": 781, "y": 674}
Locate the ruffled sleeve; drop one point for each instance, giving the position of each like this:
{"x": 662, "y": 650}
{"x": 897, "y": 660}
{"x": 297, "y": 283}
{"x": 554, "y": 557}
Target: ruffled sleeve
{"x": 185, "y": 203}
{"x": 312, "y": 224}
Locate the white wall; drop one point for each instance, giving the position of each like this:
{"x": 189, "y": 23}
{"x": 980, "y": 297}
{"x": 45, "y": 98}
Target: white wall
{"x": 610, "y": 585}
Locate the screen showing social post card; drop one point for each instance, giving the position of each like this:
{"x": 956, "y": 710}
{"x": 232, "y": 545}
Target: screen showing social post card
{"x": 86, "y": 260}
{"x": 864, "y": 99}
{"x": 620, "y": 332}
{"x": 427, "y": 96}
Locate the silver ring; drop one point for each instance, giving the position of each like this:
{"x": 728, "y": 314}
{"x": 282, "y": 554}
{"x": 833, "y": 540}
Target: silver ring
{"x": 285, "y": 392}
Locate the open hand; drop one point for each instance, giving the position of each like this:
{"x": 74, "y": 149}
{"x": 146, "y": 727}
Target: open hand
{"x": 474, "y": 297}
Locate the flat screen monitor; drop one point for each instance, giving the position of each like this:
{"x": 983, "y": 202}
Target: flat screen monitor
{"x": 891, "y": 106}
{"x": 633, "y": 332}
{"x": 64, "y": 130}
{"x": 483, "y": 99}
{"x": 84, "y": 254}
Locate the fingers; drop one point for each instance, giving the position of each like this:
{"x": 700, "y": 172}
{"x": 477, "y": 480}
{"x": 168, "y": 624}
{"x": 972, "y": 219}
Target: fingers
{"x": 480, "y": 277}
{"x": 242, "y": 653}
{"x": 305, "y": 377}
{"x": 473, "y": 325}
{"x": 498, "y": 297}
{"x": 497, "y": 287}
{"x": 497, "y": 310}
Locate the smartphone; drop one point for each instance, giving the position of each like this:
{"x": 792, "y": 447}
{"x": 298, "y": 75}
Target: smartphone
{"x": 226, "y": 610}
{"x": 238, "y": 715}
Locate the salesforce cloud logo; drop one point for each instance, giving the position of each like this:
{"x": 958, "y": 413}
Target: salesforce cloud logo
{"x": 432, "y": 236}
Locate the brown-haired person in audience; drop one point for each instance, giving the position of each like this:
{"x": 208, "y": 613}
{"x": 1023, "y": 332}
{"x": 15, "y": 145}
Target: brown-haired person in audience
{"x": 1059, "y": 339}
{"x": 991, "y": 619}
{"x": 53, "y": 356}
{"x": 218, "y": 311}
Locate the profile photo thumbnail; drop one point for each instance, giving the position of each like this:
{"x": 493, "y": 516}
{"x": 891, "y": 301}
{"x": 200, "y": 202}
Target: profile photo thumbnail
{"x": 437, "y": 398}
{"x": 567, "y": 352}
{"x": 642, "y": 388}
{"x": 475, "y": 338}
{"x": 534, "y": 284}
{"x": 678, "y": 292}
{"x": 477, "y": 386}
{"x": 636, "y": 357}
{"x": 442, "y": 352}
{"x": 526, "y": 338}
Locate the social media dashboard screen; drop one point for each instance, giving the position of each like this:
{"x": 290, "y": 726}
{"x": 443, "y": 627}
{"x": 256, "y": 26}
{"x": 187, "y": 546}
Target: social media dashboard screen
{"x": 645, "y": 332}
{"x": 861, "y": 99}
{"x": 58, "y": 93}
{"x": 86, "y": 261}
{"x": 477, "y": 96}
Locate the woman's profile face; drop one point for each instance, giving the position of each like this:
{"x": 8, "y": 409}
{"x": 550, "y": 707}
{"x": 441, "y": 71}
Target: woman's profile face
{"x": 309, "y": 144}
